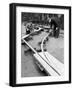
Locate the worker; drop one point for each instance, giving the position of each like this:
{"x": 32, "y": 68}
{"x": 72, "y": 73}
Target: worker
{"x": 29, "y": 28}
{"x": 54, "y": 26}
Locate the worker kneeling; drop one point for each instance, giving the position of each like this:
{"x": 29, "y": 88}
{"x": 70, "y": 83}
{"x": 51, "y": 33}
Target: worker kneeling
{"x": 29, "y": 28}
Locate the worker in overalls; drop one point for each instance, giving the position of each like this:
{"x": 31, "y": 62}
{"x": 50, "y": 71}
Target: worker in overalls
{"x": 55, "y": 27}
{"x": 29, "y": 28}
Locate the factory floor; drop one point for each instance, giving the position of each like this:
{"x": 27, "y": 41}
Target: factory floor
{"x": 55, "y": 46}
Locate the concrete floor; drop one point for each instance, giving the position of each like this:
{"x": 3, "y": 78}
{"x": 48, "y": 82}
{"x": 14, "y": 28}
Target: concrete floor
{"x": 55, "y": 46}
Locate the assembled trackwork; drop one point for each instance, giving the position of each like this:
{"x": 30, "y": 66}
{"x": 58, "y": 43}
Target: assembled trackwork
{"x": 42, "y": 48}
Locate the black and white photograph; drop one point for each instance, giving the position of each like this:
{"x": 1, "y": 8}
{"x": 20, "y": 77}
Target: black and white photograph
{"x": 41, "y": 44}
